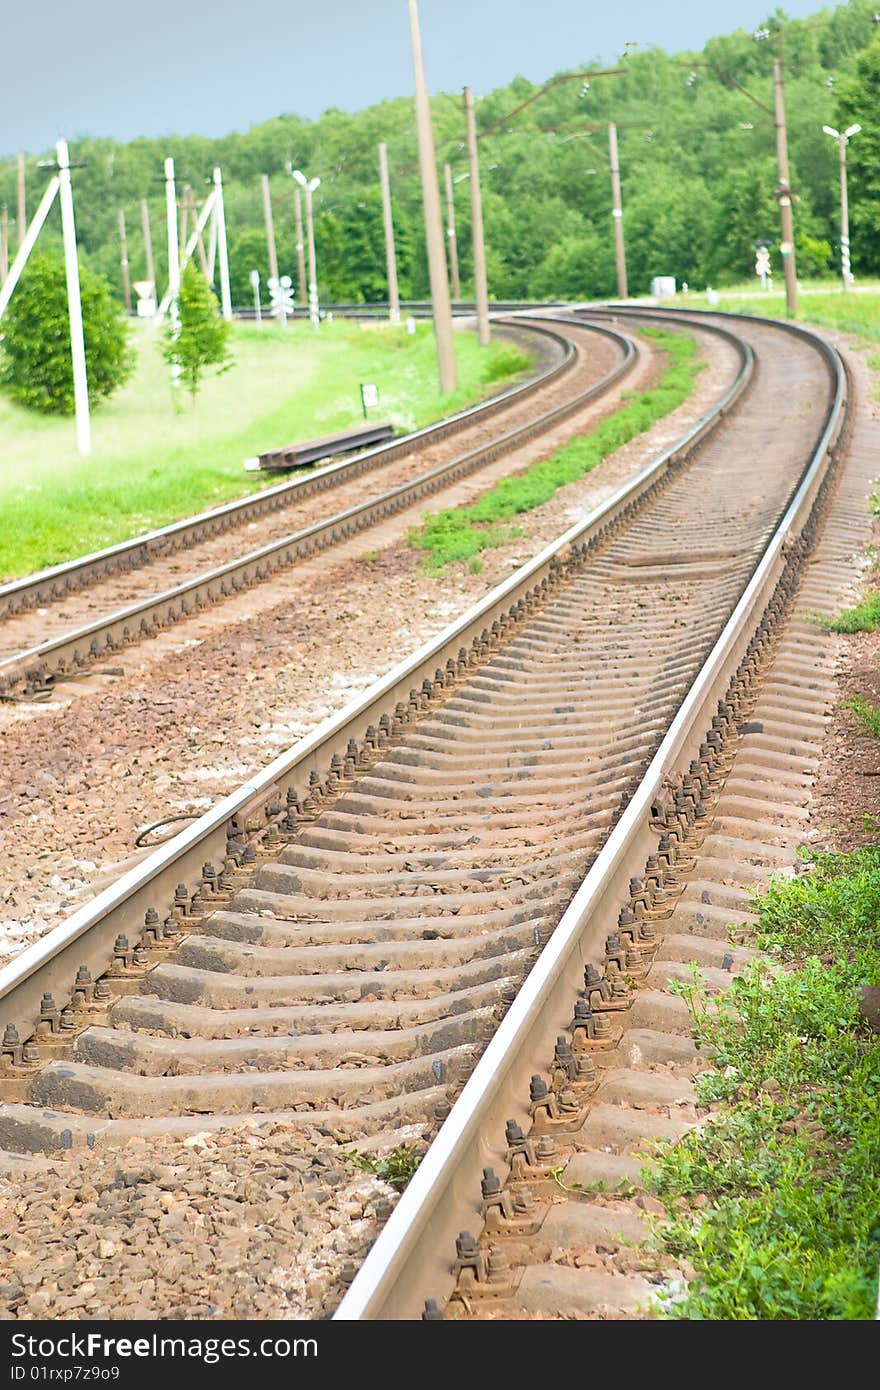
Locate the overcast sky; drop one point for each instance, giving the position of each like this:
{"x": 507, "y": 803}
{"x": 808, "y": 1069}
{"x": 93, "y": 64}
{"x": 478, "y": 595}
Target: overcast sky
{"x": 98, "y": 67}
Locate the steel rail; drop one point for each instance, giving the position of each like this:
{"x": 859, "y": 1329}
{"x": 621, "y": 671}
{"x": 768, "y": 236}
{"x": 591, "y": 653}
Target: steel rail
{"x": 411, "y": 1259}
{"x": 47, "y": 585}
{"x": 87, "y": 937}
{"x": 72, "y": 650}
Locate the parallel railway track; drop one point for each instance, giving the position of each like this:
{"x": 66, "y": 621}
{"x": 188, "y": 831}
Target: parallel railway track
{"x": 409, "y": 898}
{"x": 133, "y": 589}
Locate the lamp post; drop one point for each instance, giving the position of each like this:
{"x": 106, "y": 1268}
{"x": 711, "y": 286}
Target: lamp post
{"x": 843, "y": 138}
{"x": 310, "y": 185}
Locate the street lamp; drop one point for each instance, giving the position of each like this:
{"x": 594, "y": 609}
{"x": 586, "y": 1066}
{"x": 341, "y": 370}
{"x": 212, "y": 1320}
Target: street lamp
{"x": 843, "y": 138}
{"x": 310, "y": 185}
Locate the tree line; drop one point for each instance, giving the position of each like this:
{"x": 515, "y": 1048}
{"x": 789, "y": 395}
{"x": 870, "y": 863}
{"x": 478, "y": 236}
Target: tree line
{"x": 697, "y": 159}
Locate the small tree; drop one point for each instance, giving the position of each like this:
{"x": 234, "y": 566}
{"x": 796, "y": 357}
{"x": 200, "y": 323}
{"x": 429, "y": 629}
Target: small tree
{"x": 203, "y": 336}
{"x": 36, "y": 365}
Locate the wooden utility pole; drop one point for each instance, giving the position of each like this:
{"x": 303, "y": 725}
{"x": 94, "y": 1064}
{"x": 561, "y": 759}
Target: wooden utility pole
{"x": 22, "y": 205}
{"x": 617, "y": 213}
{"x": 148, "y": 244}
{"x": 390, "y": 257}
{"x": 4, "y": 243}
{"x": 783, "y": 193}
{"x": 123, "y": 261}
{"x": 450, "y": 234}
{"x": 441, "y": 306}
{"x": 270, "y": 228}
{"x": 482, "y": 294}
{"x": 302, "y": 291}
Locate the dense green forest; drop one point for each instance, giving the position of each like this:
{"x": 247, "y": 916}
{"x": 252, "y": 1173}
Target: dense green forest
{"x": 697, "y": 158}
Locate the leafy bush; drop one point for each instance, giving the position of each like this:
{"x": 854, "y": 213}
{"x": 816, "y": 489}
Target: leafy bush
{"x": 790, "y": 1161}
{"x": 37, "y": 367}
{"x": 203, "y": 336}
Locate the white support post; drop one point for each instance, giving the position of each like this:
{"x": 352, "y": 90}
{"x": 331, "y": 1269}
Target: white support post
{"x": 27, "y": 245}
{"x": 212, "y": 244}
{"x": 225, "y": 296}
{"x": 173, "y": 261}
{"x": 189, "y": 248}
{"x": 74, "y": 306}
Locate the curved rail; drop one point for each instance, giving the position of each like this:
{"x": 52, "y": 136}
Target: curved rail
{"x": 174, "y": 871}
{"x": 44, "y": 586}
{"x": 72, "y": 650}
{"x": 403, "y": 1266}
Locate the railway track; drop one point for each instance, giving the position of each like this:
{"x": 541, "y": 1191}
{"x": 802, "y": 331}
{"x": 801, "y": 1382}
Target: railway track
{"x": 346, "y": 937}
{"x": 56, "y": 622}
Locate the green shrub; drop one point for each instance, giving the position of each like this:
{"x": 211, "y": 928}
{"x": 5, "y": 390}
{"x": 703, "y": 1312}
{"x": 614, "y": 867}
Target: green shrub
{"x": 36, "y": 366}
{"x": 203, "y": 337}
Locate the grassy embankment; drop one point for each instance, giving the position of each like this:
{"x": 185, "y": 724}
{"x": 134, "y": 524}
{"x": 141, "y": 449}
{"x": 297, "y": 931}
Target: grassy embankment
{"x": 774, "y": 1201}
{"x": 461, "y": 533}
{"x": 151, "y": 464}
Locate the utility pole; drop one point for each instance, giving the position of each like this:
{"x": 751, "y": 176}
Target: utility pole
{"x": 302, "y": 293}
{"x": 270, "y": 227}
{"x": 617, "y": 213}
{"x": 22, "y": 206}
{"x": 441, "y": 306}
{"x": 222, "y": 247}
{"x": 783, "y": 193}
{"x": 74, "y": 304}
{"x": 843, "y": 138}
{"x": 123, "y": 261}
{"x": 481, "y": 291}
{"x": 173, "y": 261}
{"x": 148, "y": 245}
{"x": 450, "y": 234}
{"x": 390, "y": 257}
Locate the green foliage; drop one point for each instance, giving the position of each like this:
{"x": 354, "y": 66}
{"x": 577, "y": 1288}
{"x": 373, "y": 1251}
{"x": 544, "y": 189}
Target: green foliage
{"x": 36, "y": 366}
{"x": 864, "y": 617}
{"x": 697, "y": 161}
{"x": 203, "y": 336}
{"x": 790, "y": 1160}
{"x": 460, "y": 533}
{"x": 396, "y": 1168}
{"x": 867, "y": 714}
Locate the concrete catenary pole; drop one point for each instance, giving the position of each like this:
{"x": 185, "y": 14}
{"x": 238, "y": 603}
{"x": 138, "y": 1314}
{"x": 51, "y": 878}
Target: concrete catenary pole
{"x": 222, "y": 247}
{"x": 617, "y": 213}
{"x": 454, "y": 276}
{"x": 148, "y": 244}
{"x": 302, "y": 292}
{"x": 270, "y": 226}
{"x": 390, "y": 257}
{"x": 783, "y": 193}
{"x": 845, "y": 263}
{"x": 441, "y": 306}
{"x": 74, "y": 305}
{"x": 173, "y": 260}
{"x": 123, "y": 261}
{"x": 480, "y": 288}
{"x": 22, "y": 201}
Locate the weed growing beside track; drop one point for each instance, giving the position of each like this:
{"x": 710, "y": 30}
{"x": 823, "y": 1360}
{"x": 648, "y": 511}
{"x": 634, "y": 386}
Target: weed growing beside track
{"x": 460, "y": 533}
{"x": 774, "y": 1201}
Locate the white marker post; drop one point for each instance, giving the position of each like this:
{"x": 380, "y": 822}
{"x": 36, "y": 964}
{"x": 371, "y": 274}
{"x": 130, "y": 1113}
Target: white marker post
{"x": 74, "y": 304}
{"x": 173, "y": 260}
{"x": 255, "y": 284}
{"x": 220, "y": 215}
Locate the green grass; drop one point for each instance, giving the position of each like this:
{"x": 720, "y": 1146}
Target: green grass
{"x": 864, "y": 617}
{"x": 790, "y": 1159}
{"x": 151, "y": 464}
{"x": 857, "y": 311}
{"x": 867, "y": 714}
{"x": 461, "y": 533}
{"x": 396, "y": 1168}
